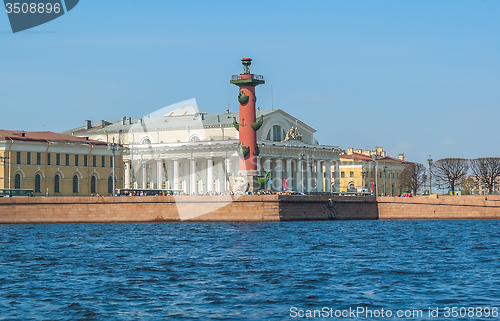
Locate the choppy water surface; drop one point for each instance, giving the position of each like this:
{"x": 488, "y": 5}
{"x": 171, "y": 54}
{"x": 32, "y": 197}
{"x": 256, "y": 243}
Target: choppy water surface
{"x": 258, "y": 271}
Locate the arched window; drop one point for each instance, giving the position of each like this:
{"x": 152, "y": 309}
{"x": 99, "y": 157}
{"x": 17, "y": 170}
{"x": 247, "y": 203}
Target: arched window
{"x": 195, "y": 139}
{"x": 75, "y": 184}
{"x": 17, "y": 181}
{"x": 38, "y": 183}
{"x": 268, "y": 137}
{"x": 110, "y": 185}
{"x": 57, "y": 184}
{"x": 146, "y": 141}
{"x": 93, "y": 184}
{"x": 277, "y": 133}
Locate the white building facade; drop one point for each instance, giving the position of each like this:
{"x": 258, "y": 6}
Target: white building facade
{"x": 188, "y": 149}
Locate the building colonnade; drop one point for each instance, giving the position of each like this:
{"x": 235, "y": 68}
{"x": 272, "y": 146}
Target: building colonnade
{"x": 210, "y": 173}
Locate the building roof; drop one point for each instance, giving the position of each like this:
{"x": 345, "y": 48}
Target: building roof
{"x": 356, "y": 157}
{"x": 45, "y": 136}
{"x": 181, "y": 118}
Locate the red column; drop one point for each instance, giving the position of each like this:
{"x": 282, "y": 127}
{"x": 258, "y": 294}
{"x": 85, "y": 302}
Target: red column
{"x": 248, "y": 137}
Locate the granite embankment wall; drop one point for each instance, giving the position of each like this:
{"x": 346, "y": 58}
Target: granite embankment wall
{"x": 444, "y": 207}
{"x": 244, "y": 208}
{"x": 184, "y": 208}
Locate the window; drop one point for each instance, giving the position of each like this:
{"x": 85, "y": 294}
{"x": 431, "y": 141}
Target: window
{"x": 57, "y": 184}
{"x": 17, "y": 181}
{"x": 397, "y": 175}
{"x": 38, "y": 183}
{"x": 268, "y": 137}
{"x": 146, "y": 141}
{"x": 371, "y": 174}
{"x": 351, "y": 174}
{"x": 77, "y": 160}
{"x": 58, "y": 159}
{"x": 195, "y": 139}
{"x": 39, "y": 158}
{"x": 380, "y": 174}
{"x": 85, "y": 160}
{"x": 342, "y": 174}
{"x": 110, "y": 161}
{"x": 48, "y": 159}
{"x": 110, "y": 185}
{"x": 28, "y": 158}
{"x": 277, "y": 133}
{"x": 94, "y": 161}
{"x": 18, "y": 158}
{"x": 75, "y": 184}
{"x": 67, "y": 159}
{"x": 93, "y": 184}
{"x": 103, "y": 161}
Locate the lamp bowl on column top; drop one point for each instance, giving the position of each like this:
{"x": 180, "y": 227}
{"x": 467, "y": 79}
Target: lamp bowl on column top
{"x": 246, "y": 64}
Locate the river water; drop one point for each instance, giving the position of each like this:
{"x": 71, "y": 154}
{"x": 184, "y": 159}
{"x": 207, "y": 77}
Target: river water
{"x": 249, "y": 271}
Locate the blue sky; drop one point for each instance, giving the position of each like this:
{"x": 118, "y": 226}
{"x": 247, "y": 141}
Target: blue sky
{"x": 419, "y": 77}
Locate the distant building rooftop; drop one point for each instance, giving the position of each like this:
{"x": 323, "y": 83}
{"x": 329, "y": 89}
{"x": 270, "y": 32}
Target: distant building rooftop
{"x": 45, "y": 136}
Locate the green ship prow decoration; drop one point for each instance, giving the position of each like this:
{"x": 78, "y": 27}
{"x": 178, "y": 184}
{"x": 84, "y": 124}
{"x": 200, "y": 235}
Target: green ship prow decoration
{"x": 263, "y": 180}
{"x": 236, "y": 125}
{"x": 242, "y": 98}
{"x": 257, "y": 125}
{"x": 243, "y": 150}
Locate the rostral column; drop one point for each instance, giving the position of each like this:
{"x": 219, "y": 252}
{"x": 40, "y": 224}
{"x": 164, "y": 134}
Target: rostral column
{"x": 248, "y": 124}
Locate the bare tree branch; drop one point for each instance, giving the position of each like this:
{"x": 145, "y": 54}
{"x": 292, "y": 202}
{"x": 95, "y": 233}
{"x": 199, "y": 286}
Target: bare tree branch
{"x": 486, "y": 171}
{"x": 450, "y": 171}
{"x": 413, "y": 176}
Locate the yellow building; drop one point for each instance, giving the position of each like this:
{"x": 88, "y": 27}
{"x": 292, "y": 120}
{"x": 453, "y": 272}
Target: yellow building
{"x": 57, "y": 165}
{"x": 363, "y": 170}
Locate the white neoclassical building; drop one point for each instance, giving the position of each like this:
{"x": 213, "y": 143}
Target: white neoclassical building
{"x": 182, "y": 147}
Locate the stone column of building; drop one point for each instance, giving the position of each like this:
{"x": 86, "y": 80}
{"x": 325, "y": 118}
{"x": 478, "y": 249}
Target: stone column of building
{"x": 309, "y": 178}
{"x": 127, "y": 174}
{"x": 319, "y": 176}
{"x": 220, "y": 175}
{"x": 159, "y": 173}
{"x": 279, "y": 175}
{"x": 210, "y": 174}
{"x": 176, "y": 174}
{"x": 267, "y": 168}
{"x": 336, "y": 177}
{"x": 328, "y": 179}
{"x": 298, "y": 181}
{"x": 259, "y": 166}
{"x": 144, "y": 175}
{"x": 289, "y": 175}
{"x": 192, "y": 175}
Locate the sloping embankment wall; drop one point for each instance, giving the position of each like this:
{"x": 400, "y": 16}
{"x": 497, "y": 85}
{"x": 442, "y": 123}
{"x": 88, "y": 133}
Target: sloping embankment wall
{"x": 184, "y": 208}
{"x": 444, "y": 207}
{"x": 242, "y": 209}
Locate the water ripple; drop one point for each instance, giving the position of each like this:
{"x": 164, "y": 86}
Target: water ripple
{"x": 235, "y": 271}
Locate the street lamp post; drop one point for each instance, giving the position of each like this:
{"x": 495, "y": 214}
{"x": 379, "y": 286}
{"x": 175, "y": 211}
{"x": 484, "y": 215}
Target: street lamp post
{"x": 302, "y": 171}
{"x": 391, "y": 173}
{"x": 430, "y": 162}
{"x": 113, "y": 146}
{"x": 376, "y": 157}
{"x": 4, "y": 159}
{"x": 385, "y": 180}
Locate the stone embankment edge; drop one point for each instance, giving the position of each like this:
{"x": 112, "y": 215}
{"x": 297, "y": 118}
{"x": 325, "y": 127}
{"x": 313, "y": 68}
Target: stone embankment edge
{"x": 248, "y": 208}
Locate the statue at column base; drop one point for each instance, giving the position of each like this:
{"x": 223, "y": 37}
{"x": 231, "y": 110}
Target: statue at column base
{"x": 240, "y": 185}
